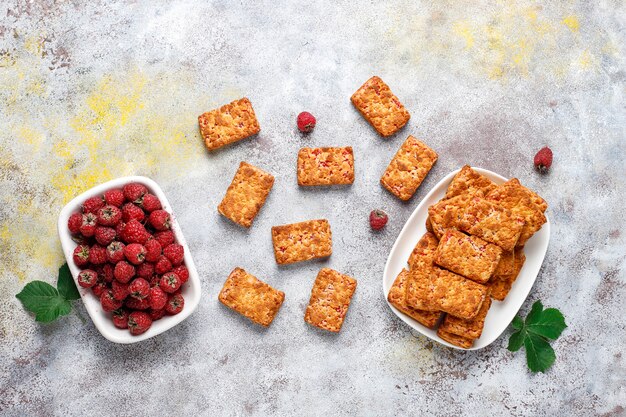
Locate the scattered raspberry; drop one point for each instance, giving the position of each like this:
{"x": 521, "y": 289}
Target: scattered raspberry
{"x": 92, "y": 205}
{"x": 165, "y": 237}
{"x": 139, "y": 322}
{"x": 175, "y": 253}
{"x": 135, "y": 253}
{"x": 182, "y": 272}
{"x": 99, "y": 288}
{"x": 81, "y": 255}
{"x": 150, "y": 203}
{"x": 306, "y": 122}
{"x": 120, "y": 291}
{"x": 114, "y": 197}
{"x": 115, "y": 252}
{"x": 97, "y": 255}
{"x": 157, "y": 314}
{"x": 88, "y": 228}
{"x": 170, "y": 282}
{"x": 378, "y": 219}
{"x": 145, "y": 270}
{"x": 160, "y": 220}
{"x": 120, "y": 318}
{"x": 153, "y": 250}
{"x": 123, "y": 272}
{"x": 87, "y": 278}
{"x": 139, "y": 288}
{"x": 134, "y": 232}
{"x": 74, "y": 223}
{"x": 175, "y": 304}
{"x": 163, "y": 265}
{"x": 543, "y": 159}
{"x": 109, "y": 215}
{"x": 157, "y": 298}
{"x": 134, "y": 191}
{"x": 137, "y": 304}
{"x": 104, "y": 235}
{"x": 108, "y": 302}
{"x": 131, "y": 211}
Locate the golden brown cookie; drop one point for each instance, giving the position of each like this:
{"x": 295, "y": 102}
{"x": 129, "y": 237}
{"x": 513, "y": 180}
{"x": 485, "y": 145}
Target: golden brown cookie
{"x": 302, "y": 241}
{"x": 325, "y": 166}
{"x": 230, "y": 123}
{"x": 330, "y": 298}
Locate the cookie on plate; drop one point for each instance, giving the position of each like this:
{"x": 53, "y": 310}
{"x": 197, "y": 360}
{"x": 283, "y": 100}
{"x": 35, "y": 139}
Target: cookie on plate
{"x": 468, "y": 181}
{"x": 454, "y": 339}
{"x": 424, "y": 251}
{"x": 325, "y": 166}
{"x": 397, "y": 298}
{"x": 230, "y": 123}
{"x": 492, "y": 222}
{"x": 330, "y": 298}
{"x": 500, "y": 285}
{"x": 540, "y": 202}
{"x": 447, "y": 214}
{"x": 470, "y": 329}
{"x": 302, "y": 241}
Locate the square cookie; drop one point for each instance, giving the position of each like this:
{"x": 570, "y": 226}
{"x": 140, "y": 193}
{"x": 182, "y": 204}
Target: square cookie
{"x": 492, "y": 222}
{"x": 246, "y": 194}
{"x": 230, "y": 123}
{"x": 302, "y": 241}
{"x": 325, "y": 166}
{"x": 250, "y": 297}
{"x": 468, "y": 181}
{"x": 330, "y": 299}
{"x": 397, "y": 298}
{"x": 408, "y": 168}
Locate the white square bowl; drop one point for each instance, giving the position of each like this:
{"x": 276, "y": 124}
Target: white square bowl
{"x": 501, "y": 313}
{"x": 191, "y": 290}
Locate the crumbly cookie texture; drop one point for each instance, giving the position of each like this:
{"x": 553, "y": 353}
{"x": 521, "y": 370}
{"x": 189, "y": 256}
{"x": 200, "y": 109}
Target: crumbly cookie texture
{"x": 424, "y": 252}
{"x": 447, "y": 214}
{"x": 454, "y": 339}
{"x": 472, "y": 328}
{"x": 325, "y": 166}
{"x": 468, "y": 181}
{"x": 246, "y": 194}
{"x": 330, "y": 298}
{"x": 492, "y": 222}
{"x": 500, "y": 285}
{"x": 408, "y": 168}
{"x": 302, "y": 241}
{"x": 397, "y": 298}
{"x": 380, "y": 107}
{"x": 535, "y": 198}
{"x": 230, "y": 123}
{"x": 251, "y": 297}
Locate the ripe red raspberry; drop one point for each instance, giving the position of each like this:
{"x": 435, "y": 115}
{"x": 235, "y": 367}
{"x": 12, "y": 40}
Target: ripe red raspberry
{"x": 115, "y": 252}
{"x": 135, "y": 253}
{"x": 81, "y": 255}
{"x": 157, "y": 298}
{"x": 114, "y": 197}
{"x": 175, "y": 253}
{"x": 160, "y": 220}
{"x": 123, "y": 272}
{"x": 139, "y": 322}
{"x": 134, "y": 232}
{"x": 74, "y": 223}
{"x": 134, "y": 191}
{"x": 120, "y": 291}
{"x": 170, "y": 282}
{"x": 543, "y": 160}
{"x": 154, "y": 281}
{"x": 156, "y": 314}
{"x": 87, "y": 278}
{"x": 378, "y": 219}
{"x": 139, "y": 288}
{"x": 97, "y": 255}
{"x": 182, "y": 272}
{"x": 105, "y": 272}
{"x": 108, "y": 302}
{"x": 120, "y": 318}
{"x": 92, "y": 205}
{"x": 99, "y": 288}
{"x": 165, "y": 237}
{"x": 153, "y": 250}
{"x": 104, "y": 235}
{"x": 145, "y": 270}
{"x": 175, "y": 304}
{"x": 131, "y": 211}
{"x": 137, "y": 304}
{"x": 306, "y": 122}
{"x": 88, "y": 228}
{"x": 119, "y": 227}
{"x": 163, "y": 265}
{"x": 109, "y": 215}
{"x": 150, "y": 203}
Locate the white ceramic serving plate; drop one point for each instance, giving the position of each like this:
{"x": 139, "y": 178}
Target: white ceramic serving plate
{"x": 501, "y": 313}
{"x": 191, "y": 289}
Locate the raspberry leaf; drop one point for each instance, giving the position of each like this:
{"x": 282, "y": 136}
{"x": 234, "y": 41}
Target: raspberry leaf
{"x": 539, "y": 354}
{"x": 535, "y": 312}
{"x": 65, "y": 284}
{"x": 550, "y": 324}
{"x": 44, "y": 300}
{"x": 517, "y": 323}
{"x": 516, "y": 341}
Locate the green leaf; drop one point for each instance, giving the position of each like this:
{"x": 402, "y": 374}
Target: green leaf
{"x": 550, "y": 323}
{"x": 517, "y": 323}
{"x": 65, "y": 284}
{"x": 44, "y": 300}
{"x": 539, "y": 354}
{"x": 535, "y": 312}
{"x": 516, "y": 341}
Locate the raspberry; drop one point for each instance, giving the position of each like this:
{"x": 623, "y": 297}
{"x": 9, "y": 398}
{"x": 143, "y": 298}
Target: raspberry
{"x": 87, "y": 278}
{"x": 150, "y": 203}
{"x": 109, "y": 215}
{"x": 145, "y": 270}
{"x": 120, "y": 318}
{"x": 175, "y": 253}
{"x": 135, "y": 253}
{"x": 123, "y": 272}
{"x": 306, "y": 122}
{"x": 157, "y": 298}
{"x": 165, "y": 238}
{"x": 156, "y": 314}
{"x": 137, "y": 304}
{"x": 139, "y": 288}
{"x": 182, "y": 272}
{"x": 115, "y": 252}
{"x": 105, "y": 272}
{"x": 170, "y": 282}
{"x": 154, "y": 281}
{"x": 97, "y": 255}
{"x": 543, "y": 159}
{"x": 114, "y": 197}
{"x": 108, "y": 302}
{"x": 81, "y": 255}
{"x": 88, "y": 228}
{"x": 163, "y": 265}
{"x": 160, "y": 220}
{"x": 153, "y": 250}
{"x": 99, "y": 288}
{"x": 131, "y": 211}
{"x": 104, "y": 235}
{"x": 119, "y": 227}
{"x": 378, "y": 219}
{"x": 120, "y": 291}
{"x": 92, "y": 205}
{"x": 134, "y": 232}
{"x": 139, "y": 322}
{"x": 74, "y": 223}
{"x": 134, "y": 191}
{"x": 175, "y": 304}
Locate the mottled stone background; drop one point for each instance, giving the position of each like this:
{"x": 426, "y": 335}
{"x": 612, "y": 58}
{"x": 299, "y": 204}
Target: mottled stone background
{"x": 102, "y": 89}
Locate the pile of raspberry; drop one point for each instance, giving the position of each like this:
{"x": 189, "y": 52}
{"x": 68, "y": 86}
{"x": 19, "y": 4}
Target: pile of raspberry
{"x": 129, "y": 256}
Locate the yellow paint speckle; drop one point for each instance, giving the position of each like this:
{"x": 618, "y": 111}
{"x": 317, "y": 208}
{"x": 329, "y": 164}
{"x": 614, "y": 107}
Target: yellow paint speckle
{"x": 464, "y": 30}
{"x": 572, "y": 23}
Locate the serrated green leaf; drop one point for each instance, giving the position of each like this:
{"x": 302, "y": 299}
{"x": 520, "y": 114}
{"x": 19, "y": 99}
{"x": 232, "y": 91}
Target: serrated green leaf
{"x": 550, "y": 323}
{"x": 539, "y": 354}
{"x": 516, "y": 341}
{"x": 65, "y": 284}
{"x": 517, "y": 323}
{"x": 53, "y": 308}
{"x": 44, "y": 300}
{"x": 535, "y": 311}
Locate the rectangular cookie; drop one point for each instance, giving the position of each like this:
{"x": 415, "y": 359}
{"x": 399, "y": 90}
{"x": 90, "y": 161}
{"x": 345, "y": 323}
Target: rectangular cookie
{"x": 408, "y": 168}
{"x": 246, "y": 194}
{"x": 380, "y": 107}
{"x": 447, "y": 214}
{"x": 535, "y": 198}
{"x": 472, "y": 328}
{"x": 397, "y": 298}
{"x": 302, "y": 241}
{"x": 250, "y": 297}
{"x": 500, "y": 285}
{"x": 424, "y": 251}
{"x": 469, "y": 256}
{"x": 330, "y": 299}
{"x": 468, "y": 181}
{"x": 506, "y": 264}
{"x": 325, "y": 166}
{"x": 492, "y": 222}
{"x": 454, "y": 339}
{"x": 230, "y": 123}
